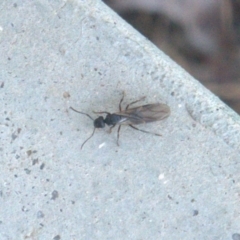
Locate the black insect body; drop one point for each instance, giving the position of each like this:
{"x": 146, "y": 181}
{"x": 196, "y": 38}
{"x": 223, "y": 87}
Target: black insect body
{"x": 130, "y": 116}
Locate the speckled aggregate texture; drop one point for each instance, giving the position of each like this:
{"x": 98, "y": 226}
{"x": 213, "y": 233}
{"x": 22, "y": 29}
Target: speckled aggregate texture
{"x": 183, "y": 185}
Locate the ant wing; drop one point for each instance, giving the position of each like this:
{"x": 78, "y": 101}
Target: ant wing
{"x": 145, "y": 114}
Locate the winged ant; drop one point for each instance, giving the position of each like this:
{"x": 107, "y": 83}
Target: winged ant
{"x": 130, "y": 116}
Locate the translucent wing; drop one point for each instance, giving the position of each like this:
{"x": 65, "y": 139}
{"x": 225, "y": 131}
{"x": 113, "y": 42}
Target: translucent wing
{"x": 145, "y": 114}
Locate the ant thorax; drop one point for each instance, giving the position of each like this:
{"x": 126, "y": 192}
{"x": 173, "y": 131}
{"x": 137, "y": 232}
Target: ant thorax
{"x": 112, "y": 119}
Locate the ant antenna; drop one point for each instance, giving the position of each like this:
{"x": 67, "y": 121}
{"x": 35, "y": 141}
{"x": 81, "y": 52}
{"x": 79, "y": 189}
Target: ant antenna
{"x": 90, "y": 118}
{"x": 81, "y": 113}
{"x": 88, "y": 138}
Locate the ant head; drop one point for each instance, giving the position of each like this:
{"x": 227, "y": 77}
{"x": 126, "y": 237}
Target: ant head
{"x": 99, "y": 122}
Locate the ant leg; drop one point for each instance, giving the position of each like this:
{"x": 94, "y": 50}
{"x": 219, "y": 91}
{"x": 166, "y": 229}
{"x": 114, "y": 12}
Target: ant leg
{"x": 101, "y": 112}
{"x": 110, "y": 130}
{"x": 156, "y": 134}
{"x": 134, "y": 102}
{"x": 118, "y": 134}
{"x": 120, "y": 104}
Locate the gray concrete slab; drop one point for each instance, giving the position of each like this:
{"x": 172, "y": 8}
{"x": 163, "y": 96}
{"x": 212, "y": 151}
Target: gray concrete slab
{"x": 183, "y": 185}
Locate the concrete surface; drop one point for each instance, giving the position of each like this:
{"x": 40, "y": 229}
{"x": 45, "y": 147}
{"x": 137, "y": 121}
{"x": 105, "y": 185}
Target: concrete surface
{"x": 183, "y": 185}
